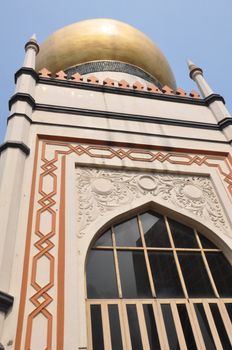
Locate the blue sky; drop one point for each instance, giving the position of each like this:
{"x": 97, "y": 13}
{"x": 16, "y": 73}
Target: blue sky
{"x": 199, "y": 30}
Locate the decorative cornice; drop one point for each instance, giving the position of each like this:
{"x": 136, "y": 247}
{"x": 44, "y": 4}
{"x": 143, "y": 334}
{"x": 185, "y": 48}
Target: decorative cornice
{"x": 32, "y": 43}
{"x": 122, "y": 91}
{"x": 28, "y": 71}
{"x": 225, "y": 122}
{"x": 6, "y": 302}
{"x": 195, "y": 70}
{"x": 125, "y": 116}
{"x": 21, "y": 96}
{"x": 15, "y": 144}
{"x": 21, "y": 115}
{"x": 212, "y": 98}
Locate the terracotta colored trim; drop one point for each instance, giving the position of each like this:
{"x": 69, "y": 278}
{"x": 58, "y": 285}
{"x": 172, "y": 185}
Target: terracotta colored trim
{"x": 41, "y": 298}
{"x": 27, "y": 254}
{"x": 63, "y": 140}
{"x": 61, "y": 261}
{"x": 46, "y": 201}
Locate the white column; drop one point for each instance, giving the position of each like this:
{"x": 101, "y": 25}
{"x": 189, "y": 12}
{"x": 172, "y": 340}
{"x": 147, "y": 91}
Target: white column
{"x": 217, "y": 107}
{"x": 13, "y": 155}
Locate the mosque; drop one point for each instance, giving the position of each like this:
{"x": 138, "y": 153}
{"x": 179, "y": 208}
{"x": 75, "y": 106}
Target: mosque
{"x": 115, "y": 199}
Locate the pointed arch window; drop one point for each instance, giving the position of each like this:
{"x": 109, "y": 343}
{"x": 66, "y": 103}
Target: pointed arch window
{"x": 156, "y": 283}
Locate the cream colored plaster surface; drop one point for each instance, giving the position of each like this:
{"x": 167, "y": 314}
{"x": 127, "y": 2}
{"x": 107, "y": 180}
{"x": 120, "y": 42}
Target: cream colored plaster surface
{"x": 11, "y": 320}
{"x": 25, "y": 84}
{"x": 203, "y": 185}
{"x": 18, "y": 129}
{"x": 87, "y": 99}
{"x": 129, "y": 126}
{"x": 123, "y": 137}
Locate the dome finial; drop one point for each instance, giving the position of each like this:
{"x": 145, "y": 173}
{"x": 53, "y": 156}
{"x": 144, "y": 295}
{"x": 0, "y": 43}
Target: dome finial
{"x": 32, "y": 43}
{"x": 33, "y": 37}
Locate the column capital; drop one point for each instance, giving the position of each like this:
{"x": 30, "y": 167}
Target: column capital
{"x": 32, "y": 44}
{"x": 194, "y": 69}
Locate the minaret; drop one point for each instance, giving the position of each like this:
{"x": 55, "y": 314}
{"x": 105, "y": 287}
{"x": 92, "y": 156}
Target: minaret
{"x": 215, "y": 102}
{"x": 13, "y": 154}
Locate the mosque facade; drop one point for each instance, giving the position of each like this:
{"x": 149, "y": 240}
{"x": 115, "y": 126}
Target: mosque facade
{"x": 115, "y": 199}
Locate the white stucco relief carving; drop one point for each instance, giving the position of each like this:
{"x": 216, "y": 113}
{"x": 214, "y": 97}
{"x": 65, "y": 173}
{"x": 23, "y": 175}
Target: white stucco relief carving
{"x": 102, "y": 190}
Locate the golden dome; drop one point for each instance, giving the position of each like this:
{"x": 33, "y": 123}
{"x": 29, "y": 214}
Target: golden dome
{"x": 103, "y": 39}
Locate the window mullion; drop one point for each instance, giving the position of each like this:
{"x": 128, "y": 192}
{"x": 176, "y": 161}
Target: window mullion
{"x": 207, "y": 266}
{"x": 212, "y": 326}
{"x": 179, "y": 330}
{"x": 116, "y": 264}
{"x": 176, "y": 258}
{"x": 226, "y": 319}
{"x": 152, "y": 285}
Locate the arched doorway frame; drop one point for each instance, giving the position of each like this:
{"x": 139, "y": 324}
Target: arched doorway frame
{"x": 51, "y": 159}
{"x": 102, "y": 224}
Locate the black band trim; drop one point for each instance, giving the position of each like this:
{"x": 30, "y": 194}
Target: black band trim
{"x": 213, "y": 97}
{"x": 6, "y": 302}
{"x": 28, "y": 71}
{"x": 125, "y": 116}
{"x": 32, "y": 43}
{"x": 128, "y": 132}
{"x": 225, "y": 122}
{"x": 121, "y": 91}
{"x": 21, "y": 115}
{"x": 20, "y": 96}
{"x": 14, "y": 144}
{"x": 196, "y": 69}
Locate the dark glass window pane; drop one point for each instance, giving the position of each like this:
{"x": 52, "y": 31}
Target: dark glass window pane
{"x": 127, "y": 234}
{"x": 101, "y": 279}
{"x": 183, "y": 236}
{"x": 97, "y": 331}
{"x": 229, "y": 310}
{"x": 206, "y": 243}
{"x": 151, "y": 327}
{"x": 133, "y": 273}
{"x": 165, "y": 275}
{"x": 222, "y": 273}
{"x": 115, "y": 330}
{"x": 195, "y": 275}
{"x": 133, "y": 321}
{"x": 170, "y": 327}
{"x": 204, "y": 326}
{"x": 155, "y": 231}
{"x": 186, "y": 326}
{"x": 220, "y": 327}
{"x": 105, "y": 239}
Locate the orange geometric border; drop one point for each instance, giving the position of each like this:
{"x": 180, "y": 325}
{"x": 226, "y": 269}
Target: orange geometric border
{"x": 41, "y": 298}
